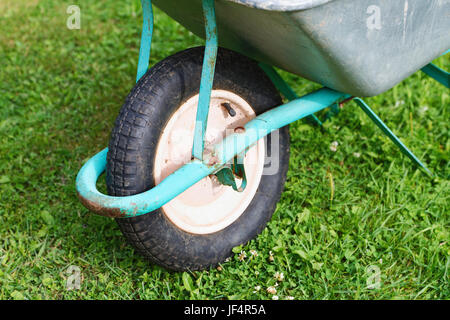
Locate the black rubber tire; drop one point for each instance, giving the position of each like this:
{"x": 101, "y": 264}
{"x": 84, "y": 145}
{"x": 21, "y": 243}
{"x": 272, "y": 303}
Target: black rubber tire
{"x": 150, "y": 105}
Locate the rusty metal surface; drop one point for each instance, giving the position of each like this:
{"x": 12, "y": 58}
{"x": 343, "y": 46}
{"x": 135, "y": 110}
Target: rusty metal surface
{"x": 99, "y": 208}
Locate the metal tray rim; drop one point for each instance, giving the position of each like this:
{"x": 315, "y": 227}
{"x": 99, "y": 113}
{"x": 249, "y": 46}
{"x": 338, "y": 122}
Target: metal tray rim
{"x": 281, "y": 5}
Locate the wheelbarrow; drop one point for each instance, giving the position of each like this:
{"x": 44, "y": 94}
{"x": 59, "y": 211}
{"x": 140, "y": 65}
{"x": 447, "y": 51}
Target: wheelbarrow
{"x": 198, "y": 156}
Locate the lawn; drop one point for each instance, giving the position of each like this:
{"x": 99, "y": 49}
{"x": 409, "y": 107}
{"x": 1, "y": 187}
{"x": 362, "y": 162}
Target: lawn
{"x": 345, "y": 218}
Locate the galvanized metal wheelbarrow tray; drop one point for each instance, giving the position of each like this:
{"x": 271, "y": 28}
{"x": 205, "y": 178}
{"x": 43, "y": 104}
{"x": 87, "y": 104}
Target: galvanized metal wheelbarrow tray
{"x": 352, "y": 47}
{"x": 360, "y": 47}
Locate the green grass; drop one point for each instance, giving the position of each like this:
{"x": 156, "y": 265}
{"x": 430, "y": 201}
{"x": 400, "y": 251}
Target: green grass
{"x": 60, "y": 91}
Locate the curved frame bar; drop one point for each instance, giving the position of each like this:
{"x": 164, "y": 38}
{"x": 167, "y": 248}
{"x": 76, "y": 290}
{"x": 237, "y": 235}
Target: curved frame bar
{"x": 194, "y": 171}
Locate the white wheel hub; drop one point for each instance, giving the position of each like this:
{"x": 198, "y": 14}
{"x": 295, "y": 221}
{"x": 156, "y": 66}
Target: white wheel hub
{"x": 208, "y": 206}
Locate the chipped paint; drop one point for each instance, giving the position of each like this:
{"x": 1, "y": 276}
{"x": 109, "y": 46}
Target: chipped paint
{"x": 96, "y": 206}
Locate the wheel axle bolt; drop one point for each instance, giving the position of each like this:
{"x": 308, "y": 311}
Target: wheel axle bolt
{"x": 230, "y": 110}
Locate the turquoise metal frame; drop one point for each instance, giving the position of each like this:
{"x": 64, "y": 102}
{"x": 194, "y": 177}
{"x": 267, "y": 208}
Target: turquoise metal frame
{"x": 196, "y": 170}
{"x": 206, "y": 84}
{"x": 372, "y": 115}
{"x": 441, "y": 76}
{"x": 146, "y": 38}
{"x": 213, "y": 161}
{"x": 437, "y": 74}
{"x": 286, "y": 90}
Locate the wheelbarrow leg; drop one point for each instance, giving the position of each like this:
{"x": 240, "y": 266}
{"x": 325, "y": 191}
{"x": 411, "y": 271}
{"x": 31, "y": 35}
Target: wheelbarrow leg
{"x": 286, "y": 90}
{"x": 441, "y": 76}
{"x": 391, "y": 135}
{"x": 437, "y": 74}
{"x": 146, "y": 39}
{"x": 334, "y": 111}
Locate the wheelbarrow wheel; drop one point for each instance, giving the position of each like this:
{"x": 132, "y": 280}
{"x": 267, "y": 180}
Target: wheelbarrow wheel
{"x": 153, "y": 137}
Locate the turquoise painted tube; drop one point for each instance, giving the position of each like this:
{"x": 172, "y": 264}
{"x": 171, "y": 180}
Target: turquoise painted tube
{"x": 195, "y": 170}
{"x": 146, "y": 38}
{"x": 206, "y": 83}
{"x": 441, "y": 76}
{"x": 285, "y": 89}
{"x": 274, "y": 119}
{"x": 138, "y": 204}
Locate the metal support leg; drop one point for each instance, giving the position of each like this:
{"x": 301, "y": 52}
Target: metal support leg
{"x": 146, "y": 38}
{"x": 334, "y": 111}
{"x": 441, "y": 76}
{"x": 437, "y": 74}
{"x": 206, "y": 84}
{"x": 390, "y": 134}
{"x": 285, "y": 89}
